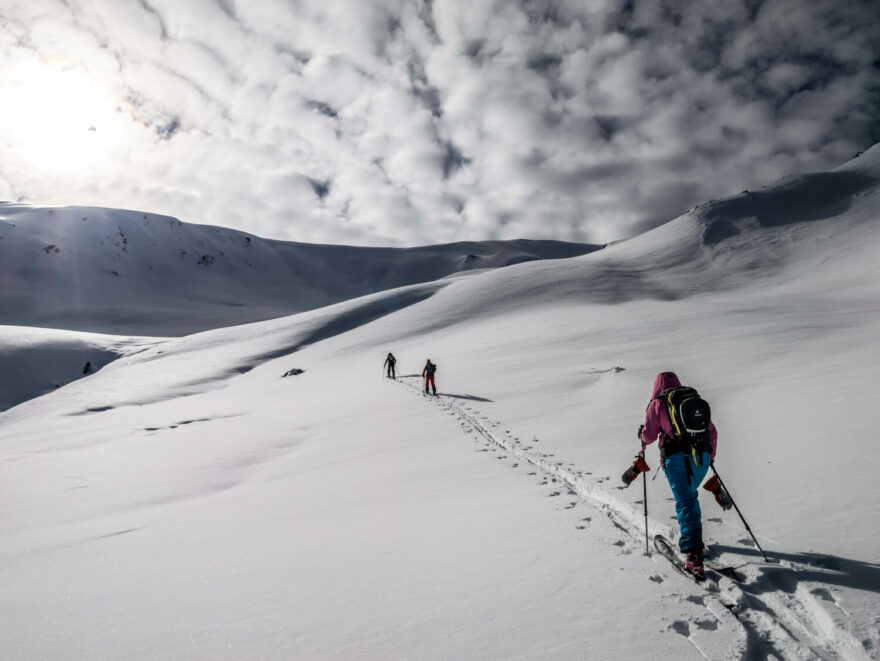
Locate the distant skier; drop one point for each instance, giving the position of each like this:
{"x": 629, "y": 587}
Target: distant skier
{"x": 688, "y": 441}
{"x": 87, "y": 367}
{"x": 428, "y": 373}
{"x": 389, "y": 363}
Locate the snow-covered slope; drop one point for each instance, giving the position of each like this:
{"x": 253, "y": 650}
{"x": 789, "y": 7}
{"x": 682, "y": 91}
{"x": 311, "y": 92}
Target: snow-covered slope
{"x": 191, "y": 500}
{"x": 128, "y": 272}
{"x": 34, "y": 361}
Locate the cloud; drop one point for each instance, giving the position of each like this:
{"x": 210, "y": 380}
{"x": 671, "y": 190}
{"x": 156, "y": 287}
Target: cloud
{"x": 411, "y": 121}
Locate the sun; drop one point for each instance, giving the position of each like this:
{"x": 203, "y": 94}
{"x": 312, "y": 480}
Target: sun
{"x": 57, "y": 121}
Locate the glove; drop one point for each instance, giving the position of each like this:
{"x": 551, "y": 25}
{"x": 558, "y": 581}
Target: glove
{"x": 638, "y": 466}
{"x": 641, "y": 427}
{"x": 713, "y": 484}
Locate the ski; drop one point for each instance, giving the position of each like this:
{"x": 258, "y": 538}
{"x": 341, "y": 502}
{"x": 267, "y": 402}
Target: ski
{"x": 709, "y": 584}
{"x": 664, "y": 548}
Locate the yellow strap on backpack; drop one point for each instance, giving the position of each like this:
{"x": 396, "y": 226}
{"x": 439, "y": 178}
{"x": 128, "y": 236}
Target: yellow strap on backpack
{"x": 673, "y": 414}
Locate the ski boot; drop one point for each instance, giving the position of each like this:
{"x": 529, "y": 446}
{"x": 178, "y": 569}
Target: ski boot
{"x": 694, "y": 565}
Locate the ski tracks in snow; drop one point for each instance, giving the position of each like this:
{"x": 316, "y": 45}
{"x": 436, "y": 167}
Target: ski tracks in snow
{"x": 780, "y": 617}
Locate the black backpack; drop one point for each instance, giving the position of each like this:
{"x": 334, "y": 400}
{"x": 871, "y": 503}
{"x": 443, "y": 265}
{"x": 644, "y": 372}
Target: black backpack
{"x": 690, "y": 416}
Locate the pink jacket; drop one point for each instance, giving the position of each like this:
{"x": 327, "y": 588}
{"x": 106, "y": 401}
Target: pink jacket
{"x": 657, "y": 422}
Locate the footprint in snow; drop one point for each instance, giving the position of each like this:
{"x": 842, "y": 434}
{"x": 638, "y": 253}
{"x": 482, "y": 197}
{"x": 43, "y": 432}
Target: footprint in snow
{"x": 571, "y": 505}
{"x": 656, "y": 578}
{"x": 555, "y": 493}
{"x": 823, "y": 594}
{"x": 696, "y": 599}
{"x": 681, "y": 627}
{"x": 623, "y": 549}
{"x": 826, "y": 595}
{"x": 707, "y": 625}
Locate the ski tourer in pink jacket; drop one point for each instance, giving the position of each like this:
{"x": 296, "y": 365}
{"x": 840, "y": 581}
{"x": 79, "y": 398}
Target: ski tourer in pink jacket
{"x": 684, "y": 471}
{"x": 657, "y": 422}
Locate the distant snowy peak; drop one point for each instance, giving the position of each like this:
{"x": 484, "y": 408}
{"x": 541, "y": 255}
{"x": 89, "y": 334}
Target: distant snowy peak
{"x": 799, "y": 199}
{"x": 777, "y": 217}
{"x": 129, "y": 272}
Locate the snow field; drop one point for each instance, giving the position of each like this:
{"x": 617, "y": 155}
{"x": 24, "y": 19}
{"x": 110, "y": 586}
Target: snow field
{"x": 352, "y": 534}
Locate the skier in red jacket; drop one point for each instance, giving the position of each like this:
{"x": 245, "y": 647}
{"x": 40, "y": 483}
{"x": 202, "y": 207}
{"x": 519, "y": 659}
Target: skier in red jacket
{"x": 428, "y": 373}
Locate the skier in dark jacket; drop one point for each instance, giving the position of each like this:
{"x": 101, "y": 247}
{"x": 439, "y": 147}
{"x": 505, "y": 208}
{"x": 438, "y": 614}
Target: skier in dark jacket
{"x": 428, "y": 373}
{"x": 390, "y": 361}
{"x": 684, "y": 470}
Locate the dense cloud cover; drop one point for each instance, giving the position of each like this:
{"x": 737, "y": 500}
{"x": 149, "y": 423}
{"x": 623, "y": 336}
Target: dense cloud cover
{"x": 403, "y": 122}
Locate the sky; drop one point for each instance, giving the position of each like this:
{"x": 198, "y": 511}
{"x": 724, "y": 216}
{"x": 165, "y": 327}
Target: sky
{"x": 412, "y": 122}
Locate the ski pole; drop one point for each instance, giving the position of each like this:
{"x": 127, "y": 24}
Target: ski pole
{"x": 645, "y": 485}
{"x": 712, "y": 466}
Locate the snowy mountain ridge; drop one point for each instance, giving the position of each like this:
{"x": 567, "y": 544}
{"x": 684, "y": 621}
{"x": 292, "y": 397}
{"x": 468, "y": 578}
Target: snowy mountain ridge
{"x": 129, "y": 272}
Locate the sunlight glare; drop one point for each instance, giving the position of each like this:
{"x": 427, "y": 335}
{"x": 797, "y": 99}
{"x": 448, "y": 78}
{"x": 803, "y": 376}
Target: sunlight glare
{"x": 58, "y": 120}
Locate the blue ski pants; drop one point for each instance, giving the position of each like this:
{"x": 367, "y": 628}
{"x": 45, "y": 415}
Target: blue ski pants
{"x": 684, "y": 476}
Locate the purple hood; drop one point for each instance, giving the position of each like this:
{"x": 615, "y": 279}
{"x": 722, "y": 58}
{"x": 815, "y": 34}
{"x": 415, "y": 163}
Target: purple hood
{"x": 665, "y": 381}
